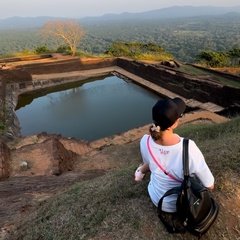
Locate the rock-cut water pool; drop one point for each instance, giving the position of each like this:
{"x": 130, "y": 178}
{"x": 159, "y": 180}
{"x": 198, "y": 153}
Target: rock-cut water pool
{"x": 87, "y": 110}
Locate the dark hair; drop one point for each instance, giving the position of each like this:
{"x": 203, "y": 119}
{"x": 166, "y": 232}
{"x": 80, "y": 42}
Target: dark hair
{"x": 155, "y": 135}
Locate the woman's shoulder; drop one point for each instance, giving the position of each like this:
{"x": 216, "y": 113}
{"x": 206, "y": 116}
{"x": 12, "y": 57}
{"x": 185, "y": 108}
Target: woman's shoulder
{"x": 191, "y": 142}
{"x": 144, "y": 137}
{"x": 193, "y": 148}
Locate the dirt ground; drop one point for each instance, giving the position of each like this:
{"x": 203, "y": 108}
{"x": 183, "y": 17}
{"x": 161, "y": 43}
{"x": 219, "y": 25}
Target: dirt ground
{"x": 35, "y": 177}
{"x": 235, "y": 70}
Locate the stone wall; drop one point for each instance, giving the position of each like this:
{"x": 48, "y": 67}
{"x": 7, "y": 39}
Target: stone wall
{"x": 13, "y": 126}
{"x": 25, "y": 58}
{"x": 69, "y": 65}
{"x": 14, "y": 75}
{"x": 183, "y": 84}
{"x": 222, "y": 74}
{"x": 8, "y": 102}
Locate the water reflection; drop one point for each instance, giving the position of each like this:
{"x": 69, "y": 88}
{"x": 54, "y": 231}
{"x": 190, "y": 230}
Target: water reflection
{"x": 94, "y": 109}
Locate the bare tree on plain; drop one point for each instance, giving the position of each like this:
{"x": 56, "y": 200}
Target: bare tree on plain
{"x": 63, "y": 32}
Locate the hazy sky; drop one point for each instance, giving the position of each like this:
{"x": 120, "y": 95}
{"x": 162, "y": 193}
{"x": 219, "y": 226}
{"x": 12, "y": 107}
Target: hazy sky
{"x": 83, "y": 8}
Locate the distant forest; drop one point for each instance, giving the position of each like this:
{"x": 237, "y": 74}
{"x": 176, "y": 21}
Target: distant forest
{"x": 184, "y": 38}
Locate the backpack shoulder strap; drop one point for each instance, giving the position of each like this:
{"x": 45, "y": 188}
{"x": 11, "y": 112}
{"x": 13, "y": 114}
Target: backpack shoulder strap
{"x": 185, "y": 158}
{"x": 175, "y": 190}
{"x": 169, "y": 226}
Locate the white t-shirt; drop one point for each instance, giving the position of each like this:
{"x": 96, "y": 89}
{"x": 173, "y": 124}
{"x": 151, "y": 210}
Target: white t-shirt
{"x": 170, "y": 158}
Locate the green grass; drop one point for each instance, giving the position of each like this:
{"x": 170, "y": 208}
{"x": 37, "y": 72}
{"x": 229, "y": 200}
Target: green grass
{"x": 196, "y": 71}
{"x": 226, "y": 81}
{"x": 114, "y": 206}
{"x": 83, "y": 210}
{"x": 192, "y": 70}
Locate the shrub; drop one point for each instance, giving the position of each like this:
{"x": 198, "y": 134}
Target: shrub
{"x": 64, "y": 49}
{"x": 25, "y": 52}
{"x": 41, "y": 49}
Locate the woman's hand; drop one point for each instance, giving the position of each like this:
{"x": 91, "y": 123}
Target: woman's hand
{"x": 138, "y": 174}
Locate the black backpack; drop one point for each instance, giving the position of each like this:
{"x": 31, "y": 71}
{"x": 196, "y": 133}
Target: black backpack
{"x": 196, "y": 207}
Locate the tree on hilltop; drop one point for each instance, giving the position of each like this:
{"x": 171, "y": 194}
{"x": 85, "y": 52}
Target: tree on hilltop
{"x": 63, "y": 32}
{"x": 213, "y": 59}
{"x": 234, "y": 54}
{"x": 138, "y": 50}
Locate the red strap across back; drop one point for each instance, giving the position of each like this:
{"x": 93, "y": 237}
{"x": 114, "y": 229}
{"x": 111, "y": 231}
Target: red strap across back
{"x": 155, "y": 160}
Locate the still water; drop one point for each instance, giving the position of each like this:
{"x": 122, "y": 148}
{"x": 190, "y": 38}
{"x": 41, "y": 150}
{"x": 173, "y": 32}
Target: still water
{"x": 90, "y": 110}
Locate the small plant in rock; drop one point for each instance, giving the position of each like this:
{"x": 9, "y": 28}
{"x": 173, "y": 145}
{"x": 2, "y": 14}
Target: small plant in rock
{"x": 35, "y": 139}
{"x": 2, "y": 126}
